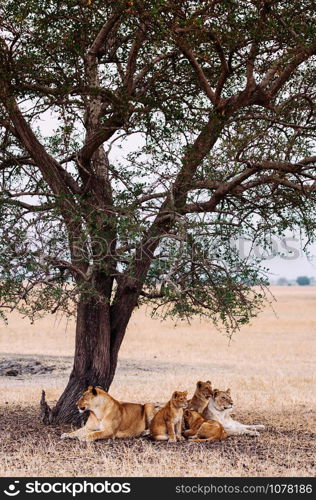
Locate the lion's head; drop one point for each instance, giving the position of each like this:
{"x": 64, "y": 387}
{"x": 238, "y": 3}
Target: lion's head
{"x": 204, "y": 389}
{"x": 222, "y": 400}
{"x": 179, "y": 399}
{"x": 89, "y": 398}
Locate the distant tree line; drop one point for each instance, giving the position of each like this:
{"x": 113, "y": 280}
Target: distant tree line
{"x": 300, "y": 280}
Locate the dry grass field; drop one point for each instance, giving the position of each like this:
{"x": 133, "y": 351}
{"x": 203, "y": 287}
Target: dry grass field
{"x": 269, "y": 365}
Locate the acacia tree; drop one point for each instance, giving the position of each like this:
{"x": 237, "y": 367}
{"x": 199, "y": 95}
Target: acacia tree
{"x": 173, "y": 129}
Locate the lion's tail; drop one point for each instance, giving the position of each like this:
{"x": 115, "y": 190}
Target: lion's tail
{"x": 150, "y": 412}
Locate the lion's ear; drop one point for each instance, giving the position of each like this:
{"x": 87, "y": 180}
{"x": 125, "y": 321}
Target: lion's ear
{"x": 94, "y": 391}
{"x": 175, "y": 394}
{"x": 228, "y": 391}
{"x": 199, "y": 384}
{"x": 208, "y": 382}
{"x": 185, "y": 393}
{"x": 215, "y": 392}
{"x": 90, "y": 387}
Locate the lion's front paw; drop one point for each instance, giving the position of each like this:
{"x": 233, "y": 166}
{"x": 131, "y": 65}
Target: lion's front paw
{"x": 260, "y": 427}
{"x": 65, "y": 435}
{"x": 172, "y": 440}
{"x": 180, "y": 438}
{"x": 254, "y": 433}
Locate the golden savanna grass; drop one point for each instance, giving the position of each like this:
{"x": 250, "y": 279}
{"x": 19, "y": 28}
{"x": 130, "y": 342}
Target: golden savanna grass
{"x": 269, "y": 365}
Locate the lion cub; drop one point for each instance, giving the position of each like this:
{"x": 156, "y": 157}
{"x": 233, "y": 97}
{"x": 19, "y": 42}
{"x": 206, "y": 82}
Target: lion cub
{"x": 200, "y": 429}
{"x": 167, "y": 423}
{"x": 201, "y": 397}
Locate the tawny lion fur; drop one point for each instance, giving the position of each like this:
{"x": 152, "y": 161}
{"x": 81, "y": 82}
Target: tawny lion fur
{"x": 201, "y": 397}
{"x": 201, "y": 429}
{"x": 110, "y": 418}
{"x": 167, "y": 423}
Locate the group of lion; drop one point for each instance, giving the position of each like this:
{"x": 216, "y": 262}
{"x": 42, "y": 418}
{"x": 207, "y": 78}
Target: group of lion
{"x": 204, "y": 417}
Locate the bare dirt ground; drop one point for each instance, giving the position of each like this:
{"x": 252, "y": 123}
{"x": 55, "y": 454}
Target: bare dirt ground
{"x": 270, "y": 367}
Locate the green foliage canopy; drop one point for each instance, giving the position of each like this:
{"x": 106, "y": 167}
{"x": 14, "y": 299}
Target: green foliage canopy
{"x": 176, "y": 128}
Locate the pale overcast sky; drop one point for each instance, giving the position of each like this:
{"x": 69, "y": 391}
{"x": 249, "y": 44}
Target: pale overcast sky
{"x": 298, "y": 266}
{"x": 292, "y": 262}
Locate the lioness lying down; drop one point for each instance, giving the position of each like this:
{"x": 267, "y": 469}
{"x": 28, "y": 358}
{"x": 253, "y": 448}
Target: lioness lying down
{"x": 200, "y": 429}
{"x": 220, "y": 407}
{"x": 110, "y": 418}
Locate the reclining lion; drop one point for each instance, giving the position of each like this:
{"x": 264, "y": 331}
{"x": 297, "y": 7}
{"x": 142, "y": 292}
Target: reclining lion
{"x": 200, "y": 429}
{"x": 220, "y": 407}
{"x": 110, "y": 418}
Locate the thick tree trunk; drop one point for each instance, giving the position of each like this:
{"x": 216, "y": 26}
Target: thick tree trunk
{"x": 92, "y": 362}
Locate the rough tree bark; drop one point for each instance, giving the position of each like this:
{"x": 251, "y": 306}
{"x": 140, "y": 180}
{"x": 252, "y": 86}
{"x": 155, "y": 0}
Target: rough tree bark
{"x": 96, "y": 354}
{"x": 95, "y": 359}
{"x": 91, "y": 362}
